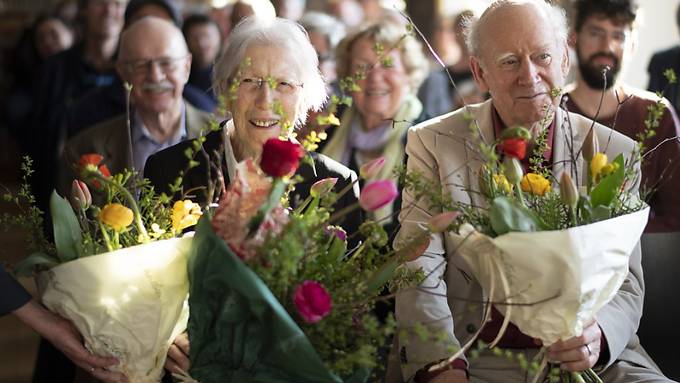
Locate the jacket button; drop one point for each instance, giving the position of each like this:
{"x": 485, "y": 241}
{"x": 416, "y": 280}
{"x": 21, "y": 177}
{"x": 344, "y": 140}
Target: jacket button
{"x": 471, "y": 329}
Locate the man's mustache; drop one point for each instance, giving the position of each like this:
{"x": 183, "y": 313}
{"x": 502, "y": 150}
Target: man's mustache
{"x": 162, "y": 86}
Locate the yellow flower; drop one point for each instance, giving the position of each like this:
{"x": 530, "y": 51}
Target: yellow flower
{"x": 598, "y": 162}
{"x": 502, "y": 183}
{"x": 535, "y": 184}
{"x": 185, "y": 214}
{"x": 116, "y": 216}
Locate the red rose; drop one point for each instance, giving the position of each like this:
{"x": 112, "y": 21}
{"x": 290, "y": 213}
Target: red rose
{"x": 312, "y": 301}
{"x": 280, "y": 158}
{"x": 514, "y": 147}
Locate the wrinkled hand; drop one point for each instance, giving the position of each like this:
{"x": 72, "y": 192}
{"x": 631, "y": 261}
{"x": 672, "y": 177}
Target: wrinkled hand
{"x": 579, "y": 353}
{"x": 178, "y": 354}
{"x": 64, "y": 336}
{"x": 451, "y": 376}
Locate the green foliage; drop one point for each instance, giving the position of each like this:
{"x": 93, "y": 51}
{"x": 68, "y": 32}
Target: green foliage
{"x": 30, "y": 219}
{"x": 506, "y": 216}
{"x": 67, "y": 235}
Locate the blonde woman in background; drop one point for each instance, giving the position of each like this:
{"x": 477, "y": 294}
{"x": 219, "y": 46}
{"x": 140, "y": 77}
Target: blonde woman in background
{"x": 384, "y": 106}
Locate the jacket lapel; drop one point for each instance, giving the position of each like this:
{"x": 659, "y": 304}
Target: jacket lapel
{"x": 196, "y": 121}
{"x": 567, "y": 143}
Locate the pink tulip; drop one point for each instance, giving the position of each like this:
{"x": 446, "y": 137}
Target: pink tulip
{"x": 323, "y": 186}
{"x": 441, "y": 222}
{"x": 312, "y": 301}
{"x": 80, "y": 195}
{"x": 370, "y": 169}
{"x": 378, "y": 194}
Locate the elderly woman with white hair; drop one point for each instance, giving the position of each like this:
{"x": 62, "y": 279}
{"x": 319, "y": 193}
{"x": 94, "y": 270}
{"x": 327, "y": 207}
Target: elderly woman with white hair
{"x": 269, "y": 77}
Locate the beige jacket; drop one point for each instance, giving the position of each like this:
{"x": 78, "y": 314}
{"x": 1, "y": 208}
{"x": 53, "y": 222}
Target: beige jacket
{"x": 444, "y": 151}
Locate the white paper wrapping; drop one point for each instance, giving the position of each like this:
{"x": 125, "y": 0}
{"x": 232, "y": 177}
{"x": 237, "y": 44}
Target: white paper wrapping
{"x": 127, "y": 303}
{"x": 581, "y": 267}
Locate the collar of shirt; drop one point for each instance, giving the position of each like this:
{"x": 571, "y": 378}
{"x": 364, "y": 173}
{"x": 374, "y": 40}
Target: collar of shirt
{"x": 144, "y": 144}
{"x": 498, "y": 127}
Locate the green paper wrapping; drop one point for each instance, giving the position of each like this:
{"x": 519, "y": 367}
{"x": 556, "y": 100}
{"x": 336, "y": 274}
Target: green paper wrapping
{"x": 238, "y": 330}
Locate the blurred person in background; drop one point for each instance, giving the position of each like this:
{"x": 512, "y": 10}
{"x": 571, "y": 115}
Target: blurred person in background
{"x": 604, "y": 40}
{"x": 164, "y": 9}
{"x": 204, "y": 40}
{"x": 384, "y": 105}
{"x": 325, "y": 32}
{"x": 349, "y": 12}
{"x": 51, "y": 36}
{"x": 244, "y": 8}
{"x": 47, "y": 36}
{"x": 375, "y": 12}
{"x": 222, "y": 17}
{"x": 290, "y": 9}
{"x": 106, "y": 102}
{"x": 63, "y": 79}
{"x": 438, "y": 94}
{"x": 660, "y": 62}
{"x": 444, "y": 43}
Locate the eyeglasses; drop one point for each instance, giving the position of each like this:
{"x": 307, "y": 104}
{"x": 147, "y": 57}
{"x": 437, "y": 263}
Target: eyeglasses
{"x": 254, "y": 84}
{"x": 141, "y": 67}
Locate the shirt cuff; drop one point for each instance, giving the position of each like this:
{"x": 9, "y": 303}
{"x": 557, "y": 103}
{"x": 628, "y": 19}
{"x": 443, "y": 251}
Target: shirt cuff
{"x": 425, "y": 376}
{"x": 604, "y": 350}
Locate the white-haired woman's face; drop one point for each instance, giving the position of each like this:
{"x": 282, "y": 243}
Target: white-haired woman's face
{"x": 267, "y": 97}
{"x": 384, "y": 87}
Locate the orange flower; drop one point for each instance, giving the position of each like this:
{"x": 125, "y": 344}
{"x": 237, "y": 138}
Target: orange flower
{"x": 90, "y": 163}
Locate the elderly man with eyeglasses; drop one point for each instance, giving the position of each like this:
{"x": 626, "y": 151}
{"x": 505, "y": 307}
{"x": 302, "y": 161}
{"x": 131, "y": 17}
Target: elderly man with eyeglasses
{"x": 155, "y": 61}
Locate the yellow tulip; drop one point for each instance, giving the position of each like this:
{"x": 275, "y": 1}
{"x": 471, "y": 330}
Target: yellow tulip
{"x": 185, "y": 214}
{"x": 535, "y": 184}
{"x": 609, "y": 168}
{"x": 116, "y": 216}
{"x": 598, "y": 162}
{"x": 502, "y": 183}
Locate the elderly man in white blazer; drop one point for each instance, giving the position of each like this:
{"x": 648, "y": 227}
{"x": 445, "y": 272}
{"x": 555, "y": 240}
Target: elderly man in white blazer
{"x": 520, "y": 57}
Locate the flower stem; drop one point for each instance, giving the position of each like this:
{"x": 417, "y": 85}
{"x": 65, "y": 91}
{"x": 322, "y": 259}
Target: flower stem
{"x": 520, "y": 196}
{"x": 343, "y": 212}
{"x": 105, "y": 234}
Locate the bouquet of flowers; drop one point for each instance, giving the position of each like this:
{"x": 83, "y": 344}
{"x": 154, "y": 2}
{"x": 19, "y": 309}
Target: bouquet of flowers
{"x": 549, "y": 251}
{"x": 275, "y": 294}
{"x": 122, "y": 286}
